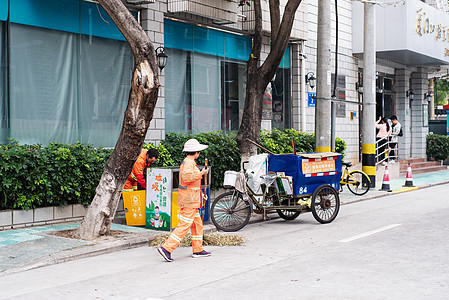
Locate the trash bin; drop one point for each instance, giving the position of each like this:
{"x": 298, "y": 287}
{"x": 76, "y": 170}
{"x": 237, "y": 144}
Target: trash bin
{"x": 134, "y": 204}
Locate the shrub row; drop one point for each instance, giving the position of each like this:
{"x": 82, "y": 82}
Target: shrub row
{"x": 35, "y": 176}
{"x": 437, "y": 146}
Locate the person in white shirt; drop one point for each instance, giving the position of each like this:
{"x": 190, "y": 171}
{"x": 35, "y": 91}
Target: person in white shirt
{"x": 394, "y": 137}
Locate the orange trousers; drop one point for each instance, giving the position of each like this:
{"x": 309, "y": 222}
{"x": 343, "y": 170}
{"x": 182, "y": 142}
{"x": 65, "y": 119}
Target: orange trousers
{"x": 189, "y": 218}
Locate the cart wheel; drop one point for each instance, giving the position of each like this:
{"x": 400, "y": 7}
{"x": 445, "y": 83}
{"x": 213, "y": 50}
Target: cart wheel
{"x": 325, "y": 204}
{"x": 229, "y": 212}
{"x": 288, "y": 214}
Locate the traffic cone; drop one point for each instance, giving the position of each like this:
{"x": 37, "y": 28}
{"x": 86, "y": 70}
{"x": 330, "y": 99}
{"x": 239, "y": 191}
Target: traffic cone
{"x": 408, "y": 178}
{"x": 386, "y": 181}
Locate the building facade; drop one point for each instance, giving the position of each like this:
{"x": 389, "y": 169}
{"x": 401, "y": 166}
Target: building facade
{"x": 66, "y": 69}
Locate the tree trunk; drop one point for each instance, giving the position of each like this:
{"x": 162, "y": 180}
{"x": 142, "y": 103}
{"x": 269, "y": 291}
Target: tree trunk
{"x": 139, "y": 112}
{"x": 258, "y": 77}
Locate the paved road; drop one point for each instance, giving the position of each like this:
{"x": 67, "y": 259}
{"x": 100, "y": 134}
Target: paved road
{"x": 388, "y": 248}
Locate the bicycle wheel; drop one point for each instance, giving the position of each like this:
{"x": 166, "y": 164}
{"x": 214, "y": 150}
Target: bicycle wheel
{"x": 325, "y": 204}
{"x": 229, "y": 212}
{"x": 288, "y": 214}
{"x": 358, "y": 183}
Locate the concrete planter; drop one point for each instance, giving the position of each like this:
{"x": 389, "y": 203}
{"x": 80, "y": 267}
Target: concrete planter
{"x": 41, "y": 216}
{"x": 5, "y": 218}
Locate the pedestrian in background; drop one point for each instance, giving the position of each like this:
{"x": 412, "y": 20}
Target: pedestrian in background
{"x": 382, "y": 138}
{"x": 396, "y": 132}
{"x": 190, "y": 199}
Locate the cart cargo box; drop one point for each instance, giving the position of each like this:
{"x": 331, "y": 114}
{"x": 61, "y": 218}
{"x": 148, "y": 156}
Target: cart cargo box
{"x": 309, "y": 170}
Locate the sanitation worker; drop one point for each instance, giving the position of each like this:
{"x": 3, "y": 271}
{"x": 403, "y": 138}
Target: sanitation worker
{"x": 136, "y": 179}
{"x": 190, "y": 198}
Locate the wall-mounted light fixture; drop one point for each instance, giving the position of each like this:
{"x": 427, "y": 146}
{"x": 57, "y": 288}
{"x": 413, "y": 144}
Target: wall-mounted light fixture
{"x": 161, "y": 57}
{"x": 410, "y": 94}
{"x": 359, "y": 87}
{"x": 428, "y": 96}
{"x": 310, "y": 79}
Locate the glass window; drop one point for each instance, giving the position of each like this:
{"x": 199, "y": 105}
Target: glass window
{"x": 232, "y": 95}
{"x": 281, "y": 100}
{"x": 178, "y": 96}
{"x": 205, "y": 84}
{"x": 4, "y": 126}
{"x": 205, "y": 93}
{"x": 105, "y": 80}
{"x": 65, "y": 75}
{"x": 43, "y": 85}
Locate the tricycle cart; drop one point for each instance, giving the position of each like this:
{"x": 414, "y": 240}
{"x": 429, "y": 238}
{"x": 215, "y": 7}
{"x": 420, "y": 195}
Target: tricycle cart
{"x": 291, "y": 184}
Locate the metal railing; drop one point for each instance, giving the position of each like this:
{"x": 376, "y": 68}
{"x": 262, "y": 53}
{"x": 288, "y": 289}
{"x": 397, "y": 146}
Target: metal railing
{"x": 383, "y": 150}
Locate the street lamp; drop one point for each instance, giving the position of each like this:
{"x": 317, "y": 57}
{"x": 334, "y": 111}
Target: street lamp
{"x": 428, "y": 96}
{"x": 161, "y": 57}
{"x": 410, "y": 94}
{"x": 310, "y": 79}
{"x": 359, "y": 87}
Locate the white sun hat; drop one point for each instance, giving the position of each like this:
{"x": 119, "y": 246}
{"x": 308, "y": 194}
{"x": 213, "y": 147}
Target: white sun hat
{"x": 193, "y": 145}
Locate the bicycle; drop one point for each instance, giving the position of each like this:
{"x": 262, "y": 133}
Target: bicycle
{"x": 357, "y": 181}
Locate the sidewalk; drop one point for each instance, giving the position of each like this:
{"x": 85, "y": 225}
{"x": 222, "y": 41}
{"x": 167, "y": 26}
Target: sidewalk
{"x": 397, "y": 186}
{"x": 33, "y": 247}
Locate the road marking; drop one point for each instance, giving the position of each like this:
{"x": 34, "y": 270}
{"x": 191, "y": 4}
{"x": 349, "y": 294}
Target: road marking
{"x": 368, "y": 233}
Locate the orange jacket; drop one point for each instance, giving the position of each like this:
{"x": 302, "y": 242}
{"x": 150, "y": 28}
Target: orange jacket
{"x": 136, "y": 176}
{"x": 189, "y": 193}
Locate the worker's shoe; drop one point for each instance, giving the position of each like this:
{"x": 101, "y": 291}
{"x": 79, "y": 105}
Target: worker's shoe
{"x": 203, "y": 253}
{"x": 165, "y": 254}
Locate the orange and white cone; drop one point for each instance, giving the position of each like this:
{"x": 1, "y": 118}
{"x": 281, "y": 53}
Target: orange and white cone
{"x": 408, "y": 178}
{"x": 386, "y": 181}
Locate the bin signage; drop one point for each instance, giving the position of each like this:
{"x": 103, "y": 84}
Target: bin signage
{"x": 310, "y": 166}
{"x": 159, "y": 199}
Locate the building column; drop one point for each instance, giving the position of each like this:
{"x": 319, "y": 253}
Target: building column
{"x": 418, "y": 131}
{"x": 152, "y": 21}
{"x": 296, "y": 86}
{"x": 402, "y": 110}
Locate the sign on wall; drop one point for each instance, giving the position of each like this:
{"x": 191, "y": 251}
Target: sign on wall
{"x": 311, "y": 99}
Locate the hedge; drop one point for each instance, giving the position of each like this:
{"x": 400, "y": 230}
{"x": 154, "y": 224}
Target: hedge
{"x": 36, "y": 176}
{"x": 437, "y": 146}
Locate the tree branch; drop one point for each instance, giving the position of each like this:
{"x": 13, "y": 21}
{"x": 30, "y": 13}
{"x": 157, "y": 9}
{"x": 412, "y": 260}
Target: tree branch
{"x": 275, "y": 18}
{"x": 257, "y": 40}
{"x": 280, "y": 43}
{"x": 136, "y": 37}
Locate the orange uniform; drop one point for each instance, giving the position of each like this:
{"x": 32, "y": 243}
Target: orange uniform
{"x": 136, "y": 176}
{"x": 189, "y": 200}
